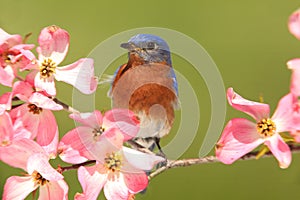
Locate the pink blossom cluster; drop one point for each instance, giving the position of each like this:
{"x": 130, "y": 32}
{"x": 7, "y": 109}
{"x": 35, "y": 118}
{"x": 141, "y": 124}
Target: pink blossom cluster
{"x": 241, "y": 136}
{"x": 29, "y": 135}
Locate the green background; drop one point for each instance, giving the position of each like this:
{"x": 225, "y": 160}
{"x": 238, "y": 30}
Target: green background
{"x": 248, "y": 40}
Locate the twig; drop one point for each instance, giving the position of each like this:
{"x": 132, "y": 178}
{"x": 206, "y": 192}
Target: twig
{"x": 75, "y": 166}
{"x": 26, "y": 37}
{"x": 209, "y": 159}
{"x": 182, "y": 163}
{"x": 65, "y": 106}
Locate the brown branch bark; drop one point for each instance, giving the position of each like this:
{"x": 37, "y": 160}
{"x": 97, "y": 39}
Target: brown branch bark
{"x": 75, "y": 166}
{"x": 209, "y": 159}
{"x": 182, "y": 163}
{"x": 65, "y": 106}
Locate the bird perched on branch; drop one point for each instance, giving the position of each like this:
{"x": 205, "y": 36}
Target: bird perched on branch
{"x": 147, "y": 85}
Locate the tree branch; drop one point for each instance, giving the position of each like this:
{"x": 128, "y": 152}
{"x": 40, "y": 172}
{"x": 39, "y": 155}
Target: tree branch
{"x": 75, "y": 166}
{"x": 65, "y": 106}
{"x": 209, "y": 159}
{"x": 184, "y": 162}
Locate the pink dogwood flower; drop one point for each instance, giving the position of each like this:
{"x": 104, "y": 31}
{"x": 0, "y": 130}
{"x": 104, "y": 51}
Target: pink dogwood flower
{"x": 53, "y": 47}
{"x": 6, "y": 129}
{"x": 13, "y": 55}
{"x": 21, "y": 89}
{"x": 79, "y": 144}
{"x": 241, "y": 136}
{"x": 120, "y": 172}
{"x": 13, "y": 144}
{"x": 294, "y": 24}
{"x": 34, "y": 118}
{"x": 10, "y": 144}
{"x": 40, "y": 174}
{"x": 15, "y": 149}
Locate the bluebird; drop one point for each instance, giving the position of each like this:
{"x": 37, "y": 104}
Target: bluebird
{"x": 147, "y": 85}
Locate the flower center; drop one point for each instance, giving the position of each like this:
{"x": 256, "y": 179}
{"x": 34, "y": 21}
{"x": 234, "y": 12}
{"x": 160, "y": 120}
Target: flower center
{"x": 47, "y": 68}
{"x": 113, "y": 162}
{"x": 98, "y": 132}
{"x": 266, "y": 127}
{"x": 34, "y": 109}
{"x": 4, "y": 143}
{"x": 53, "y": 28}
{"x": 7, "y": 58}
{"x": 38, "y": 179}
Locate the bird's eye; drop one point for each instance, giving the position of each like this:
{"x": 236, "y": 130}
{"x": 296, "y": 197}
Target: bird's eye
{"x": 150, "y": 45}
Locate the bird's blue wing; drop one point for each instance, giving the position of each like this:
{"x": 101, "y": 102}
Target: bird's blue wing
{"x": 175, "y": 84}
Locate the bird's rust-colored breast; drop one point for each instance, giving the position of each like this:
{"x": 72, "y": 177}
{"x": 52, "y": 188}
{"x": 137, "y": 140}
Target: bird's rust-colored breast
{"x": 155, "y": 100}
{"x": 148, "y": 88}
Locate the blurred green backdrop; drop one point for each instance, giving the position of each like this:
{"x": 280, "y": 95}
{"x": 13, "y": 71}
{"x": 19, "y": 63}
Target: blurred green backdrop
{"x": 250, "y": 44}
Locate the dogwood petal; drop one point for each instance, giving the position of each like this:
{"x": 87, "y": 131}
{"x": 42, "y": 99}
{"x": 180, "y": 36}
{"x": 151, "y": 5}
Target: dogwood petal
{"x": 20, "y": 47}
{"x": 238, "y": 138}
{"x": 294, "y": 65}
{"x": 17, "y": 187}
{"x": 41, "y": 125}
{"x": 20, "y": 132}
{"x": 54, "y": 44}
{"x": 39, "y": 162}
{"x": 116, "y": 189}
{"x": 47, "y": 85}
{"x": 256, "y": 110}
{"x": 6, "y": 76}
{"x": 139, "y": 160}
{"x": 98, "y": 146}
{"x": 123, "y": 119}
{"x": 24, "y": 121}
{"x": 54, "y": 190}
{"x": 72, "y": 149}
{"x": 27, "y": 60}
{"x": 47, "y": 133}
{"x": 5, "y": 102}
{"x": 91, "y": 182}
{"x": 6, "y": 43}
{"x": 17, "y": 153}
{"x": 43, "y": 101}
{"x": 79, "y": 74}
{"x": 283, "y": 116}
{"x": 280, "y": 150}
{"x": 22, "y": 57}
{"x": 31, "y": 76}
{"x": 23, "y": 90}
{"x": 6, "y": 128}
{"x": 136, "y": 182}
{"x": 92, "y": 120}
{"x": 294, "y": 24}
{"x": 9, "y": 39}
{"x": 3, "y": 35}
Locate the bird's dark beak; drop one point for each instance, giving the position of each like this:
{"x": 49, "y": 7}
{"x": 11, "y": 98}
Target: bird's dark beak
{"x": 128, "y": 45}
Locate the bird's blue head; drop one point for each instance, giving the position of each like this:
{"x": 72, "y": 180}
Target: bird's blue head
{"x": 150, "y": 48}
